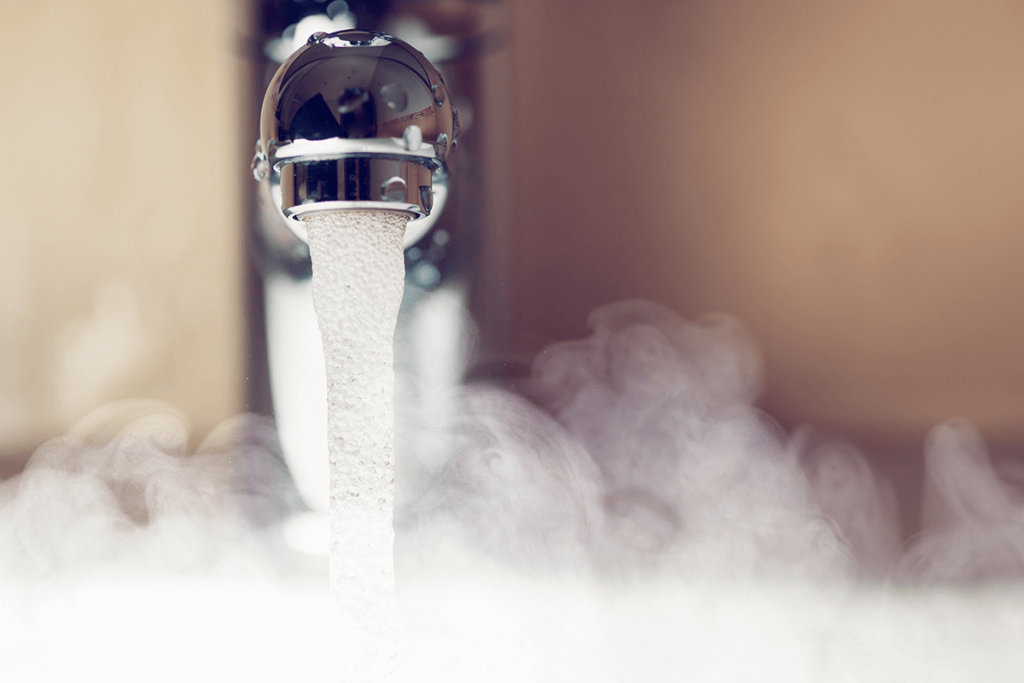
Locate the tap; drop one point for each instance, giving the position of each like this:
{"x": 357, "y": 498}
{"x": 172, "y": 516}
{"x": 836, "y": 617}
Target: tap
{"x": 356, "y": 120}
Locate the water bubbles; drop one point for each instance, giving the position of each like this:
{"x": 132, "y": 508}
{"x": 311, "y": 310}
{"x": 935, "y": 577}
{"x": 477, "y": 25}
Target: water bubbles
{"x": 393, "y": 189}
{"x": 394, "y": 96}
{"x": 338, "y": 7}
{"x": 413, "y": 138}
{"x": 441, "y": 237}
{"x": 438, "y": 94}
{"x": 352, "y": 99}
{"x": 426, "y": 275}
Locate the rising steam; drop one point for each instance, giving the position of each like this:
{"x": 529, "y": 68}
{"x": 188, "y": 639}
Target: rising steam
{"x": 972, "y": 521}
{"x": 125, "y": 554}
{"x": 632, "y": 516}
{"x": 649, "y": 458}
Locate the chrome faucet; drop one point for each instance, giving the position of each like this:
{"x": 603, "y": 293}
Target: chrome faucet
{"x": 355, "y": 120}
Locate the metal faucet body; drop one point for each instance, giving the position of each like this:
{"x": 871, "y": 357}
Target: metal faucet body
{"x": 355, "y": 120}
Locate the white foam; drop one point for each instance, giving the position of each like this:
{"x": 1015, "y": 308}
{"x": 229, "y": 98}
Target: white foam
{"x": 358, "y": 281}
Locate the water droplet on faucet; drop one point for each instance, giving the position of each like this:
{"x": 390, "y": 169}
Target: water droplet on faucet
{"x": 393, "y": 189}
{"x": 456, "y": 125}
{"x": 438, "y": 94}
{"x": 413, "y": 138}
{"x": 442, "y": 144}
{"x": 259, "y": 166}
{"x": 394, "y": 96}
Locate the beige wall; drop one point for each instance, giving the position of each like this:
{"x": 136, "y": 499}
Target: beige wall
{"x": 120, "y": 193}
{"x": 845, "y": 178}
{"x": 848, "y": 178}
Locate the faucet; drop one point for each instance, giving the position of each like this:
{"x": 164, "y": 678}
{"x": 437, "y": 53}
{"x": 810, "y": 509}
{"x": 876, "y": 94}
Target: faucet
{"x": 355, "y": 120}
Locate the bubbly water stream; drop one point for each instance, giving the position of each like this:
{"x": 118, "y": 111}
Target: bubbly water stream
{"x": 358, "y": 280}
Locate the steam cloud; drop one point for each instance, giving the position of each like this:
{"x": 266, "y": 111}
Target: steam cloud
{"x": 123, "y": 555}
{"x": 973, "y": 522}
{"x": 652, "y": 459}
{"x": 633, "y": 516}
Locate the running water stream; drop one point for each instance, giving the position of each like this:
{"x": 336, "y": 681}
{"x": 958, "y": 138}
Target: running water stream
{"x": 358, "y": 280}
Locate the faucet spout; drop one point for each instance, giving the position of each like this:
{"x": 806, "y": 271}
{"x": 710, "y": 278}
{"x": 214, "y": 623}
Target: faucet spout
{"x": 355, "y": 120}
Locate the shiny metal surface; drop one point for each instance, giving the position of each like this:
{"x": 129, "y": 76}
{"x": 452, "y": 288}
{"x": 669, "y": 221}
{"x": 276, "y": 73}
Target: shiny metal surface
{"x": 355, "y": 120}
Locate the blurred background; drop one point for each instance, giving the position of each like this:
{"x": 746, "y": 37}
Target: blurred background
{"x": 844, "y": 178}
